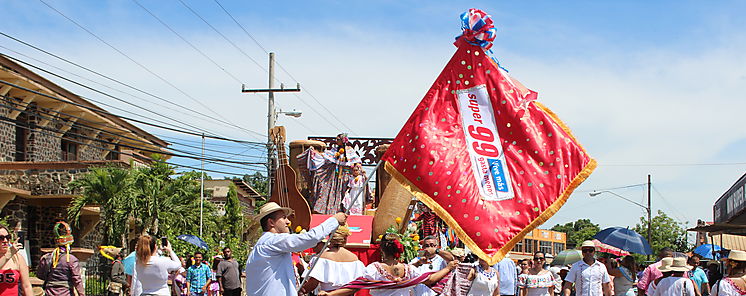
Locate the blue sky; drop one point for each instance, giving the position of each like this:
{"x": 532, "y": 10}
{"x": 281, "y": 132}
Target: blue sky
{"x": 643, "y": 84}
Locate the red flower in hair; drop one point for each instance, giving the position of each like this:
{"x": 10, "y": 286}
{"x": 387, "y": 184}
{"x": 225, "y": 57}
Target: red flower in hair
{"x": 399, "y": 249}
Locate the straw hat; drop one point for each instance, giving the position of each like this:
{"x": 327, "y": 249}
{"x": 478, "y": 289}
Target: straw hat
{"x": 458, "y": 252}
{"x": 737, "y": 255}
{"x": 270, "y": 208}
{"x": 665, "y": 264}
{"x": 679, "y": 264}
{"x": 588, "y": 244}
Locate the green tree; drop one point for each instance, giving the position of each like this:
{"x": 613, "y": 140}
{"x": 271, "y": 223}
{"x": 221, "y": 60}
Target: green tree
{"x": 109, "y": 188}
{"x": 578, "y": 231}
{"x": 665, "y": 232}
{"x": 233, "y": 218}
{"x": 257, "y": 181}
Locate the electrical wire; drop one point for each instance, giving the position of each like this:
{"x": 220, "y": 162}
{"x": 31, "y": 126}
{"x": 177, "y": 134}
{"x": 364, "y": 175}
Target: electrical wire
{"x": 101, "y": 111}
{"x": 250, "y": 132}
{"x": 288, "y": 73}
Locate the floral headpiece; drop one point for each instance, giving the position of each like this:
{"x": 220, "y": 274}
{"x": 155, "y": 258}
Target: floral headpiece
{"x": 394, "y": 238}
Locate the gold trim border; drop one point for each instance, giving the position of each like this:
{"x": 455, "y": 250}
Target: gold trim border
{"x": 543, "y": 217}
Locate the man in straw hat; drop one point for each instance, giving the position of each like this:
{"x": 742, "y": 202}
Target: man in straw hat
{"x": 652, "y": 272}
{"x": 269, "y": 268}
{"x": 589, "y": 275}
{"x": 676, "y": 284}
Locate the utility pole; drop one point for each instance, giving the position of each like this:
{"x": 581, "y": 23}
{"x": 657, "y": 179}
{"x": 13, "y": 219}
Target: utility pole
{"x": 650, "y": 220}
{"x": 271, "y": 116}
{"x": 202, "y": 185}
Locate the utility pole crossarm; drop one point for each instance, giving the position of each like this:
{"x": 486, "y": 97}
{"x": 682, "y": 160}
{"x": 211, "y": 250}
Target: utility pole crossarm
{"x": 266, "y": 90}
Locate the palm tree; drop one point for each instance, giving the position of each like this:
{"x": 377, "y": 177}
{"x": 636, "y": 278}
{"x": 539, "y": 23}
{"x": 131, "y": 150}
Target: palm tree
{"x": 110, "y": 188}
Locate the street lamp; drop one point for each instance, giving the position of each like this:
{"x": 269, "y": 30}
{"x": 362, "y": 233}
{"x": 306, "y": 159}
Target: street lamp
{"x": 294, "y": 113}
{"x": 647, "y": 208}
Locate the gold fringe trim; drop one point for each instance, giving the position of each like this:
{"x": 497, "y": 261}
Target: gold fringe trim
{"x": 543, "y": 217}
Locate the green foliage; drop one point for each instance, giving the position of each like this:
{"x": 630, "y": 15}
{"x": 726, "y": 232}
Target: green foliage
{"x": 578, "y": 231}
{"x": 409, "y": 238}
{"x": 233, "y": 213}
{"x": 665, "y": 232}
{"x": 257, "y": 181}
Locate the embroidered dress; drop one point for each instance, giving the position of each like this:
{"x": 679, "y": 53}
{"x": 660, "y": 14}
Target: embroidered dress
{"x": 376, "y": 272}
{"x": 536, "y": 284}
{"x": 331, "y": 176}
{"x": 484, "y": 283}
{"x": 356, "y": 190}
{"x": 726, "y": 287}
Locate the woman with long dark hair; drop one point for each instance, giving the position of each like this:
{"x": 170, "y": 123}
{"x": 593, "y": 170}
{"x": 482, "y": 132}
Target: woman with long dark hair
{"x": 625, "y": 276}
{"x": 152, "y": 270}
{"x": 389, "y": 276}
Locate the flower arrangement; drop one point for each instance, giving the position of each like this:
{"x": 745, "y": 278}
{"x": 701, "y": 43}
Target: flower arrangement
{"x": 409, "y": 240}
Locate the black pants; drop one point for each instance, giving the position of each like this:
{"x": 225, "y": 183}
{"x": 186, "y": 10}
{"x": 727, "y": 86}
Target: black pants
{"x": 233, "y": 292}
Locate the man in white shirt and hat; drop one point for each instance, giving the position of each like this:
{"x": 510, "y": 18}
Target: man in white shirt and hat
{"x": 269, "y": 267}
{"x": 676, "y": 284}
{"x": 589, "y": 276}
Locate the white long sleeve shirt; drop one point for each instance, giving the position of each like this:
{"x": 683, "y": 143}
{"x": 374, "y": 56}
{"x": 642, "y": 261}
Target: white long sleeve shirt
{"x": 269, "y": 268}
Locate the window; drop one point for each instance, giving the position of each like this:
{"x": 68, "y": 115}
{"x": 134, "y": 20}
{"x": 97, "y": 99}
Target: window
{"x": 518, "y": 247}
{"x": 558, "y": 247}
{"x": 112, "y": 155}
{"x": 545, "y": 247}
{"x": 69, "y": 150}
{"x": 20, "y": 154}
{"x": 529, "y": 246}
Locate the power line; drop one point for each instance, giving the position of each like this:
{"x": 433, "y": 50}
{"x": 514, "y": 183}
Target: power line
{"x": 113, "y": 80}
{"x": 101, "y": 111}
{"x": 674, "y": 209}
{"x": 149, "y": 71}
{"x": 187, "y": 42}
{"x": 14, "y": 123}
{"x": 286, "y": 72}
{"x": 106, "y": 94}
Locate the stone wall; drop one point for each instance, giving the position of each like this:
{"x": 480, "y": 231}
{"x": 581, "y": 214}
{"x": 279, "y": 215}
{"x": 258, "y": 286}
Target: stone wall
{"x": 91, "y": 152}
{"x": 7, "y": 137}
{"x": 41, "y": 182}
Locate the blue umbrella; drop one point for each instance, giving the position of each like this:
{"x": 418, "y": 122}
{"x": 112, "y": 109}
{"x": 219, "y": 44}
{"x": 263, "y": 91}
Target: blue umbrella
{"x": 706, "y": 251}
{"x": 625, "y": 239}
{"x": 192, "y": 239}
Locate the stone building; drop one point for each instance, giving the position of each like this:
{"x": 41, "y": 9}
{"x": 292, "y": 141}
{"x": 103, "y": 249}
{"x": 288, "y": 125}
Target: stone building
{"x": 48, "y": 137}
{"x": 217, "y": 194}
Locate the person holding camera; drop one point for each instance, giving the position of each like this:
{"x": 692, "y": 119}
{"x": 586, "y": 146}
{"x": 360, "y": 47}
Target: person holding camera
{"x": 153, "y": 270}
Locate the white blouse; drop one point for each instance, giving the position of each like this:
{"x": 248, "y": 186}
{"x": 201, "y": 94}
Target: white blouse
{"x": 332, "y": 274}
{"x": 375, "y": 271}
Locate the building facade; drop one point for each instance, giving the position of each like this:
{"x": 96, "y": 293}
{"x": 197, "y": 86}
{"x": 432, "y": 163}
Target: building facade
{"x": 547, "y": 241}
{"x": 48, "y": 137}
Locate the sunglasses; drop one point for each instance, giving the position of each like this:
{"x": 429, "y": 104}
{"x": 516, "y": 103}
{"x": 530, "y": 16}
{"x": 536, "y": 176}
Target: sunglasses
{"x": 7, "y": 237}
{"x": 429, "y": 245}
{"x": 588, "y": 250}
{"x": 539, "y": 258}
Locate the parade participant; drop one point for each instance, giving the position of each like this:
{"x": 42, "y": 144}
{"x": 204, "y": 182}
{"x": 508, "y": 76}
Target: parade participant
{"x": 652, "y": 272}
{"x": 198, "y": 276}
{"x": 625, "y": 276}
{"x": 270, "y": 263}
{"x": 538, "y": 281}
{"x": 118, "y": 283}
{"x": 698, "y": 275}
{"x": 336, "y": 267}
{"x": 331, "y": 173}
{"x": 589, "y": 276}
{"x": 459, "y": 254}
{"x": 59, "y": 269}
{"x": 524, "y": 265}
{"x": 214, "y": 288}
{"x": 13, "y": 268}
{"x": 665, "y": 272}
{"x": 735, "y": 282}
{"x": 432, "y": 258}
{"x": 485, "y": 280}
{"x": 228, "y": 274}
{"x": 676, "y": 284}
{"x": 508, "y": 276}
{"x": 390, "y": 277}
{"x": 357, "y": 190}
{"x": 178, "y": 280}
{"x": 153, "y": 270}
{"x": 430, "y": 221}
